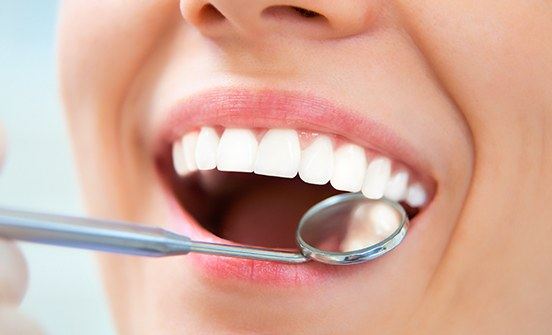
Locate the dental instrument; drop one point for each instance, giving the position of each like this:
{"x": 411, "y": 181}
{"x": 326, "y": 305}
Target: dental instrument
{"x": 344, "y": 229}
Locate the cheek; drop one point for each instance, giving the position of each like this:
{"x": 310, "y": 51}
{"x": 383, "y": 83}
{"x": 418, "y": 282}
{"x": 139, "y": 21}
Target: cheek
{"x": 101, "y": 46}
{"x": 493, "y": 59}
{"x": 490, "y": 55}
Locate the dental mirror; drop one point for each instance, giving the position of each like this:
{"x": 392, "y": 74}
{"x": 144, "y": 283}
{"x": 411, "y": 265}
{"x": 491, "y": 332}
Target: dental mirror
{"x": 350, "y": 228}
{"x": 344, "y": 229}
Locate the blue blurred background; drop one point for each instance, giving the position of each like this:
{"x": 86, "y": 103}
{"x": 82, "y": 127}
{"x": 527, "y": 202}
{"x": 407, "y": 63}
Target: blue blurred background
{"x": 65, "y": 294}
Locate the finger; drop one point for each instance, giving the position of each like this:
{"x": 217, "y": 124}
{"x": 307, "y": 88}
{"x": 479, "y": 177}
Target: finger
{"x": 13, "y": 273}
{"x": 13, "y": 321}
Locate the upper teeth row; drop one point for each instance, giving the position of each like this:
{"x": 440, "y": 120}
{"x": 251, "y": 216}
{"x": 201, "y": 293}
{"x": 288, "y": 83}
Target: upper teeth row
{"x": 279, "y": 154}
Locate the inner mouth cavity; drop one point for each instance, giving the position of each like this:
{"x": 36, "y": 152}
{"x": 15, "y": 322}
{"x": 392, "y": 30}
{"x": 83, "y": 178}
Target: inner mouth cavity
{"x": 251, "y": 186}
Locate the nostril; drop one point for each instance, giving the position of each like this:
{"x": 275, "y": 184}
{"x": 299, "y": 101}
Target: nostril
{"x": 293, "y": 13}
{"x": 305, "y": 12}
{"x": 210, "y": 14}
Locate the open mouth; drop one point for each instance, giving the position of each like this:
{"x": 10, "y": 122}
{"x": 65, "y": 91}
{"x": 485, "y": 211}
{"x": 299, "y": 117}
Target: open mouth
{"x": 246, "y": 176}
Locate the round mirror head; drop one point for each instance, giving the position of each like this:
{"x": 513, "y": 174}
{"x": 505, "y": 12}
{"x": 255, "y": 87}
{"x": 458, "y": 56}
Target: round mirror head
{"x": 350, "y": 228}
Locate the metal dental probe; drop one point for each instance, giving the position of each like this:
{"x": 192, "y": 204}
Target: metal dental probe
{"x": 317, "y": 225}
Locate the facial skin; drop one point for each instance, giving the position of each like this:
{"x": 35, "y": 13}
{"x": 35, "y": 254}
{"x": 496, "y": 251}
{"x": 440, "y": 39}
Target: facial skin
{"x": 465, "y": 83}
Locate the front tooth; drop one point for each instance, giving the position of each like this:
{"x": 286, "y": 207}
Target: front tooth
{"x": 237, "y": 150}
{"x": 317, "y": 161}
{"x": 188, "y": 148}
{"x": 178, "y": 158}
{"x": 349, "y": 168}
{"x": 397, "y": 186}
{"x": 206, "y": 149}
{"x": 416, "y": 195}
{"x": 279, "y": 154}
{"x": 377, "y": 176}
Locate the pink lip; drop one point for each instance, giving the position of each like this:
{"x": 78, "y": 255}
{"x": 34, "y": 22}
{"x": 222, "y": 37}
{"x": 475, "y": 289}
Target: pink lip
{"x": 270, "y": 109}
{"x": 245, "y": 270}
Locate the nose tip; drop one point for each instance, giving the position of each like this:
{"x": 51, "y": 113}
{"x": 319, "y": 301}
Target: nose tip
{"x": 315, "y": 19}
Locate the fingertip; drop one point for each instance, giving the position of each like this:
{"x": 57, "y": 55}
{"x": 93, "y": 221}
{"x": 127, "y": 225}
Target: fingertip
{"x": 14, "y": 274}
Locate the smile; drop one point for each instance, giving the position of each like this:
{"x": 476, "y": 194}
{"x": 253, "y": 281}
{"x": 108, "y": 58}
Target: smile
{"x": 241, "y": 167}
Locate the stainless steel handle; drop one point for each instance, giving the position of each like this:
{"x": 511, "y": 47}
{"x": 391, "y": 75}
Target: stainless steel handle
{"x": 110, "y": 236}
{"x": 121, "y": 237}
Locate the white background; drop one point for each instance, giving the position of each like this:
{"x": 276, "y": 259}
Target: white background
{"x": 65, "y": 293}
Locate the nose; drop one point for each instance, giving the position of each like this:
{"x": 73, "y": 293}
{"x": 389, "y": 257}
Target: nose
{"x": 319, "y": 19}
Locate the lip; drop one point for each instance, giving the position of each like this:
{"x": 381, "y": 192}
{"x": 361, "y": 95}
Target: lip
{"x": 271, "y": 109}
{"x": 244, "y": 270}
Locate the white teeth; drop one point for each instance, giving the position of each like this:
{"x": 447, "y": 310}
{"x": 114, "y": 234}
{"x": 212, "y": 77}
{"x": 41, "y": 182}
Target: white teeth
{"x": 178, "y": 158}
{"x": 188, "y": 148}
{"x": 206, "y": 149}
{"x": 397, "y": 186}
{"x": 377, "y": 176}
{"x": 349, "y": 168}
{"x": 416, "y": 195}
{"x": 279, "y": 154}
{"x": 237, "y": 150}
{"x": 317, "y": 161}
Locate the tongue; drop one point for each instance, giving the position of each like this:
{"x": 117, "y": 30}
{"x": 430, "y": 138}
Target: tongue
{"x": 268, "y": 215}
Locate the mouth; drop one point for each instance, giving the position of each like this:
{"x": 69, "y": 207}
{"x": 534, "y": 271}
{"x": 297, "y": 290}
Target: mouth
{"x": 241, "y": 167}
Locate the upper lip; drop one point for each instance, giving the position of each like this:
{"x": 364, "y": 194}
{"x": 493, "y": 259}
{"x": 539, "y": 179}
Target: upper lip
{"x": 231, "y": 107}
{"x": 283, "y": 109}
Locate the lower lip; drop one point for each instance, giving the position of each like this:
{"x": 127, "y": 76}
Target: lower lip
{"x": 240, "y": 269}
{"x": 249, "y": 271}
